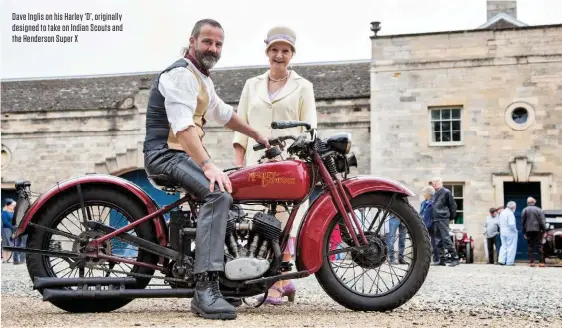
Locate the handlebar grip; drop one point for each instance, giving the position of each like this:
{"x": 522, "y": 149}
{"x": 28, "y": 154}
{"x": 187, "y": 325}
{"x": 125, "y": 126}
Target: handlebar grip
{"x": 289, "y": 124}
{"x": 272, "y": 142}
{"x": 284, "y": 124}
{"x": 259, "y": 147}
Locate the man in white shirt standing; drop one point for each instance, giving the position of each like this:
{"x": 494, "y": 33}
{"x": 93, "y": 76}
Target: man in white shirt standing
{"x": 508, "y": 235}
{"x": 182, "y": 97}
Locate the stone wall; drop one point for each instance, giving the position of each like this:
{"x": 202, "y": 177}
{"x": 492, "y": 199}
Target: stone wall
{"x": 484, "y": 72}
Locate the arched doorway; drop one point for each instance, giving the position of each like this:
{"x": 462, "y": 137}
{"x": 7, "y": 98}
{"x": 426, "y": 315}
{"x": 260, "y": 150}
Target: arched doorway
{"x": 161, "y": 198}
{"x": 140, "y": 178}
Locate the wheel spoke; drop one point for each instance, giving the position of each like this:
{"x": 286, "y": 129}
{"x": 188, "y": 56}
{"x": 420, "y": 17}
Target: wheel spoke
{"x": 62, "y": 268}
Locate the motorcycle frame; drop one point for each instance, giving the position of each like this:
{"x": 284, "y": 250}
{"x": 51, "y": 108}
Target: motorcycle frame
{"x": 333, "y": 185}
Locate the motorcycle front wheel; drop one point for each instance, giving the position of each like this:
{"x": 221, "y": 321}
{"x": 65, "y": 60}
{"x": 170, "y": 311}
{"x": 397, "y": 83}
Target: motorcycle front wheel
{"x": 397, "y": 260}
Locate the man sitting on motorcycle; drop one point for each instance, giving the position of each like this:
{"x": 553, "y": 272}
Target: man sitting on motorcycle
{"x": 181, "y": 98}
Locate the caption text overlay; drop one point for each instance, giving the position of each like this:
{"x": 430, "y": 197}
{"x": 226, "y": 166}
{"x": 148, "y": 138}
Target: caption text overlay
{"x": 62, "y": 27}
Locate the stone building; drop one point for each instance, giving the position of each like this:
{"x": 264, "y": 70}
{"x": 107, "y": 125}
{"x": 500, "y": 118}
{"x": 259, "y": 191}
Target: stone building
{"x": 481, "y": 108}
{"x": 53, "y": 129}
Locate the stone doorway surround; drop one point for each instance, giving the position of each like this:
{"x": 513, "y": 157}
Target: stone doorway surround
{"x": 521, "y": 169}
{"x": 123, "y": 162}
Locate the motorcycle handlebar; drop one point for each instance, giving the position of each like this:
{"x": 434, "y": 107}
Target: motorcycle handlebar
{"x": 273, "y": 142}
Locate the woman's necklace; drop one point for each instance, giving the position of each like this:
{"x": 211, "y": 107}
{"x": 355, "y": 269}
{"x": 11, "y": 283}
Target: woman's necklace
{"x": 279, "y": 80}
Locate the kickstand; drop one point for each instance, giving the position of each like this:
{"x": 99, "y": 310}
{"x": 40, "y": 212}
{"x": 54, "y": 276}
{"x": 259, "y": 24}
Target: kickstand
{"x": 260, "y": 303}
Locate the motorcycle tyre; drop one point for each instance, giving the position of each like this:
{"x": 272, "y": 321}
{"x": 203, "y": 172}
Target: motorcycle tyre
{"x": 347, "y": 298}
{"x": 469, "y": 253}
{"x": 35, "y": 264}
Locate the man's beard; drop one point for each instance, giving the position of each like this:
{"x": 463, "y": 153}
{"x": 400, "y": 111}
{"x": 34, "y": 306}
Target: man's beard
{"x": 207, "y": 59}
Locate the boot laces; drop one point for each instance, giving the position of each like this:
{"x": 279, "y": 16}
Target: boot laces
{"x": 214, "y": 290}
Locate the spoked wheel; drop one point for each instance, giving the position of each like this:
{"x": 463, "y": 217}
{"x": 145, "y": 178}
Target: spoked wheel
{"x": 110, "y": 207}
{"x": 390, "y": 270}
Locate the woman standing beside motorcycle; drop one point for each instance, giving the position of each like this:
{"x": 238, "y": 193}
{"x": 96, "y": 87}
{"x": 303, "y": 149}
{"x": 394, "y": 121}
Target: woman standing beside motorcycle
{"x": 277, "y": 95}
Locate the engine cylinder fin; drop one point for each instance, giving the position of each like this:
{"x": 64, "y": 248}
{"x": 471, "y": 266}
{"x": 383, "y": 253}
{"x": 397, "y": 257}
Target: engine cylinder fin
{"x": 268, "y": 226}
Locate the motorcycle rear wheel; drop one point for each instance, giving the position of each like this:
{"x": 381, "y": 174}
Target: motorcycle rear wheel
{"x": 39, "y": 239}
{"x": 407, "y": 289}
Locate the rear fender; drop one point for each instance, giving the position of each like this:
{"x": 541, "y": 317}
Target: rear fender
{"x": 310, "y": 237}
{"x": 35, "y": 210}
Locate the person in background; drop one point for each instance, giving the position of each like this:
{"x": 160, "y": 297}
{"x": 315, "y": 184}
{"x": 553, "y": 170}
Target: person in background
{"x": 396, "y": 224}
{"x": 491, "y": 232}
{"x": 279, "y": 94}
{"x": 444, "y": 210}
{"x": 7, "y": 228}
{"x": 427, "y": 215}
{"x": 533, "y": 224}
{"x": 508, "y": 233}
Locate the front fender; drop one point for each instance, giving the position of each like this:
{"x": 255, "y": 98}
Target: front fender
{"x": 31, "y": 214}
{"x": 310, "y": 237}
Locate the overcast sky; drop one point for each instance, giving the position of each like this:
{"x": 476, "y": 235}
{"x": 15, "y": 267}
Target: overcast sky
{"x": 154, "y": 31}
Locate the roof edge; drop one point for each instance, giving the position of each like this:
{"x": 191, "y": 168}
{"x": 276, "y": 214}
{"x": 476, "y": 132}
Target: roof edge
{"x": 147, "y": 73}
{"x": 505, "y": 17}
{"x": 390, "y": 36}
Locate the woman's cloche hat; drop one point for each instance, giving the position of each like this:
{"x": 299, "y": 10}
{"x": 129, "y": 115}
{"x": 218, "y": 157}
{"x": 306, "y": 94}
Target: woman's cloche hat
{"x": 281, "y": 34}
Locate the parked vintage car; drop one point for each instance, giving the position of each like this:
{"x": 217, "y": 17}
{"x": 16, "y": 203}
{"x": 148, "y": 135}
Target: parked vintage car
{"x": 552, "y": 244}
{"x": 464, "y": 244}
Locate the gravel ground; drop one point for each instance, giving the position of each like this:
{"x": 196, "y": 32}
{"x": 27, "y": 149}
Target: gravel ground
{"x": 470, "y": 295}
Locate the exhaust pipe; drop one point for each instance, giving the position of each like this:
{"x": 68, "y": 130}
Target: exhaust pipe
{"x": 49, "y": 282}
{"x": 63, "y": 294}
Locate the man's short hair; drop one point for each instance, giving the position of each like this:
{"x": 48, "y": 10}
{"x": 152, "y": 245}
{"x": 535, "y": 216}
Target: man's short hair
{"x": 197, "y": 30}
{"x": 207, "y": 21}
{"x": 531, "y": 200}
{"x": 511, "y": 205}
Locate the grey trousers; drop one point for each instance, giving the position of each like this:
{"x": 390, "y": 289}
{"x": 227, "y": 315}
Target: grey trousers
{"x": 213, "y": 213}
{"x": 442, "y": 238}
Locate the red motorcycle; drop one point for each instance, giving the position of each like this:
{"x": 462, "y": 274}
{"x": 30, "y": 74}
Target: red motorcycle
{"x": 67, "y": 227}
{"x": 464, "y": 244}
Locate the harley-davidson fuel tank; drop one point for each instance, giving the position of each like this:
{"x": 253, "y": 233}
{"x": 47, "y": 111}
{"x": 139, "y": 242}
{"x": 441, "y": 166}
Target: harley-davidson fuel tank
{"x": 287, "y": 180}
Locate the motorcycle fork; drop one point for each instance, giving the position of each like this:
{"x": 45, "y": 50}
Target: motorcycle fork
{"x": 340, "y": 197}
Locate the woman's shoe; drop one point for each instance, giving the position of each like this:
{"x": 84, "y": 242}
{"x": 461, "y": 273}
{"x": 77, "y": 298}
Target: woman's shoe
{"x": 289, "y": 290}
{"x": 273, "y": 300}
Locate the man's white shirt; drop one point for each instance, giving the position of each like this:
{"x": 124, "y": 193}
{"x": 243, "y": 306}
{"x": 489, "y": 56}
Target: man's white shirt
{"x": 180, "y": 89}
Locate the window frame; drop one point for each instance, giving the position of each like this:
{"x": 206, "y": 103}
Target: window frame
{"x": 462, "y": 198}
{"x": 430, "y": 122}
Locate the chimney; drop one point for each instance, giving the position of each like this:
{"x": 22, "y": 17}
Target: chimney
{"x": 495, "y": 7}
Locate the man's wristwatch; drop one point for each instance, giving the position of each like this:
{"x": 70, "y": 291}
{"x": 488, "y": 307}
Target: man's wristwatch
{"x": 204, "y": 162}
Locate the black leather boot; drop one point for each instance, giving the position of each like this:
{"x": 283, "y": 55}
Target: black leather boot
{"x": 208, "y": 301}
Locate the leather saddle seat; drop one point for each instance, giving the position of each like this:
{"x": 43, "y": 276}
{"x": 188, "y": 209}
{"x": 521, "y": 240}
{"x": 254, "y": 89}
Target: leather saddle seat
{"x": 164, "y": 182}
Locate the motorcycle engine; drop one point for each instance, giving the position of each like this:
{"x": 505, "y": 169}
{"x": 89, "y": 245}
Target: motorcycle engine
{"x": 250, "y": 260}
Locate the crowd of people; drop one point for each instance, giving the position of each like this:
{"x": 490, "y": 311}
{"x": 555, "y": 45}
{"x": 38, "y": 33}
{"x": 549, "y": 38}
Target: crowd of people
{"x": 500, "y": 229}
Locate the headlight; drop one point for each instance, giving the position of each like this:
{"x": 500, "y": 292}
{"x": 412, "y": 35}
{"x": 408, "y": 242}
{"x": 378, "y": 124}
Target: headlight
{"x": 459, "y": 235}
{"x": 340, "y": 142}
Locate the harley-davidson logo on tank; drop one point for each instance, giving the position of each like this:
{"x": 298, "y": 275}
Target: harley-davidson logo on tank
{"x": 269, "y": 178}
